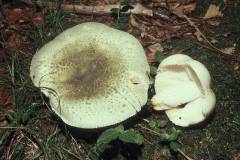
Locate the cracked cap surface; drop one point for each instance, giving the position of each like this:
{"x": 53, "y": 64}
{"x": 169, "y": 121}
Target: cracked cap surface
{"x": 87, "y": 73}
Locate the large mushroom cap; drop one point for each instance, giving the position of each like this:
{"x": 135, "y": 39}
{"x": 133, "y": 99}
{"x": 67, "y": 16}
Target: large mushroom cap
{"x": 94, "y": 75}
{"x": 183, "y": 81}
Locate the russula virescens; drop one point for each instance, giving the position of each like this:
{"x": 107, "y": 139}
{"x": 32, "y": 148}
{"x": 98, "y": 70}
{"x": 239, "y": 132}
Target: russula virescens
{"x": 183, "y": 81}
{"x": 94, "y": 75}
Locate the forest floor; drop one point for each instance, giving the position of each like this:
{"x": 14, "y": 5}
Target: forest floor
{"x": 30, "y": 130}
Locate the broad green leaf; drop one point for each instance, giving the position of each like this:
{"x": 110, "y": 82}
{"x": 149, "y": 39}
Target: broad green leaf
{"x": 110, "y": 135}
{"x": 164, "y": 137}
{"x": 174, "y": 134}
{"x": 161, "y": 124}
{"x": 174, "y": 146}
{"x": 171, "y": 136}
{"x": 152, "y": 124}
{"x": 131, "y": 136}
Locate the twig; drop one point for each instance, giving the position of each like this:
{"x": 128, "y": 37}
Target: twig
{"x": 203, "y": 36}
{"x": 148, "y": 129}
{"x": 90, "y": 10}
{"x": 184, "y": 155}
{"x": 146, "y": 120}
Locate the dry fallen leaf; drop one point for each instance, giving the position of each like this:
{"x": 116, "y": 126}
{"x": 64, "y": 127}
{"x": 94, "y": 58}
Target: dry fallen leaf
{"x": 38, "y": 19}
{"x": 150, "y": 56}
{"x": 155, "y": 47}
{"x": 229, "y": 50}
{"x": 139, "y": 8}
{"x": 213, "y": 11}
{"x": 236, "y": 157}
{"x": 180, "y": 9}
{"x": 151, "y": 51}
{"x": 12, "y": 15}
{"x": 14, "y": 41}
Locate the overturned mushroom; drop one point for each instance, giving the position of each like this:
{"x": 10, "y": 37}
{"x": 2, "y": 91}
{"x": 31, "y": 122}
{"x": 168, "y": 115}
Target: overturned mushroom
{"x": 183, "y": 81}
{"x": 94, "y": 75}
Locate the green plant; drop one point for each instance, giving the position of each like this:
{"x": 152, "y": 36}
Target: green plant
{"x": 54, "y": 25}
{"x": 126, "y": 136}
{"x": 169, "y": 137}
{"x": 118, "y": 14}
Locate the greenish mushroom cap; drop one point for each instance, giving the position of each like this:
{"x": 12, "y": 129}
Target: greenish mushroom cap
{"x": 94, "y": 75}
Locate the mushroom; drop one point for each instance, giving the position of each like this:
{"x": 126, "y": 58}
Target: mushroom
{"x": 94, "y": 75}
{"x": 183, "y": 90}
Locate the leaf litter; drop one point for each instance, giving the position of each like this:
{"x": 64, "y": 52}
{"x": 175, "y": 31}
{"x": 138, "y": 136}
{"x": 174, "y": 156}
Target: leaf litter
{"x": 152, "y": 32}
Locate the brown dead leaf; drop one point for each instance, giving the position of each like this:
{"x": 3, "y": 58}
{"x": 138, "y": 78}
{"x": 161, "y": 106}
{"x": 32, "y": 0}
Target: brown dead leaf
{"x": 133, "y": 21}
{"x": 180, "y": 9}
{"x": 152, "y": 50}
{"x": 229, "y": 50}
{"x": 139, "y": 8}
{"x": 150, "y": 56}
{"x": 236, "y": 157}
{"x": 110, "y": 2}
{"x": 14, "y": 41}
{"x": 38, "y": 19}
{"x": 12, "y": 15}
{"x": 5, "y": 101}
{"x": 18, "y": 15}
{"x": 141, "y": 40}
{"x": 213, "y": 11}
{"x": 155, "y": 47}
{"x": 27, "y": 15}
{"x": 98, "y": 2}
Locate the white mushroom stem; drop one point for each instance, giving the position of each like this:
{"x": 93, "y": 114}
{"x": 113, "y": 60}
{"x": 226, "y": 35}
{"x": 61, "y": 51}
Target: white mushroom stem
{"x": 182, "y": 80}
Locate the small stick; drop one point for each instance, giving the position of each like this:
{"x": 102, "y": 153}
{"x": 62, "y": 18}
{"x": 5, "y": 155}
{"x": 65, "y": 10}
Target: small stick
{"x": 90, "y": 10}
{"x": 204, "y": 37}
{"x": 146, "y": 120}
{"x": 184, "y": 155}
